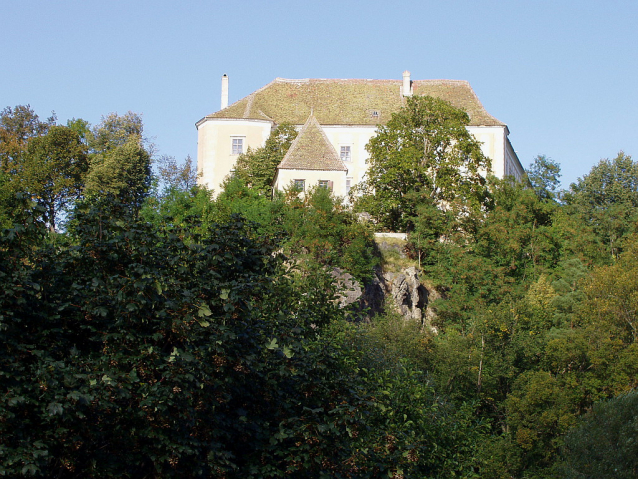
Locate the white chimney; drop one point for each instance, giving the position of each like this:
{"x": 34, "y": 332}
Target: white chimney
{"x": 407, "y": 84}
{"x": 224, "y": 91}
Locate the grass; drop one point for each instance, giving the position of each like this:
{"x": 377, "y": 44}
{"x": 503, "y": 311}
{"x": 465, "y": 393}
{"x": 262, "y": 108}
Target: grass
{"x": 391, "y": 259}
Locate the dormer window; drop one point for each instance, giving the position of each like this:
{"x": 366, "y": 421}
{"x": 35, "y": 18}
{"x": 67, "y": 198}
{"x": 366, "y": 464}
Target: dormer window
{"x": 374, "y": 114}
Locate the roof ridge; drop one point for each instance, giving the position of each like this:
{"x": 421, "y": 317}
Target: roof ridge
{"x": 249, "y": 104}
{"x": 293, "y": 145}
{"x": 374, "y": 80}
{"x": 250, "y": 97}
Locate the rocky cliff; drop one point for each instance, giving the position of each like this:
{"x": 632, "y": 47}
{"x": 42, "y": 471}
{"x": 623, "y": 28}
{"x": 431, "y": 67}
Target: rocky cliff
{"x": 402, "y": 291}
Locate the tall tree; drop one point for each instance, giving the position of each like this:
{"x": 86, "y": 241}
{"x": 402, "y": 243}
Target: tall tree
{"x": 120, "y": 159}
{"x": 116, "y": 130}
{"x": 53, "y": 170}
{"x": 175, "y": 176}
{"x": 425, "y": 149}
{"x": 12, "y": 206}
{"x": 81, "y": 127}
{"x": 544, "y": 175}
{"x": 17, "y": 126}
{"x": 607, "y": 199}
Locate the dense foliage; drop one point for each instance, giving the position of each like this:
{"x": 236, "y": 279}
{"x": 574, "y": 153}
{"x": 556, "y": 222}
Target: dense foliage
{"x": 151, "y": 329}
{"x": 136, "y": 351}
{"x": 424, "y": 153}
{"x": 604, "y": 445}
{"x": 538, "y": 322}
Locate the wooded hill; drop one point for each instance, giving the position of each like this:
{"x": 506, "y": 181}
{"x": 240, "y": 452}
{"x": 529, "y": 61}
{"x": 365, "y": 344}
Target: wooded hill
{"x": 148, "y": 329}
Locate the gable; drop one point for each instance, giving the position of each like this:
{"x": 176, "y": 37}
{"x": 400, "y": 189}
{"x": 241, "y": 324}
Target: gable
{"x": 312, "y": 150}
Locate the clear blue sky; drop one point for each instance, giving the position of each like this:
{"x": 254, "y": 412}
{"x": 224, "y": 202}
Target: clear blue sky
{"x": 562, "y": 74}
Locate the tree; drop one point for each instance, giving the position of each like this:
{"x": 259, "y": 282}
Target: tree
{"x": 13, "y": 206}
{"x": 116, "y": 130}
{"x": 81, "y": 127}
{"x": 120, "y": 160}
{"x": 608, "y": 183}
{"x": 17, "y": 126}
{"x": 138, "y": 351}
{"x": 425, "y": 149}
{"x": 432, "y": 229}
{"x": 52, "y": 171}
{"x": 325, "y": 234}
{"x": 257, "y": 167}
{"x": 612, "y": 297}
{"x": 544, "y": 174}
{"x": 173, "y": 176}
{"x": 606, "y": 199}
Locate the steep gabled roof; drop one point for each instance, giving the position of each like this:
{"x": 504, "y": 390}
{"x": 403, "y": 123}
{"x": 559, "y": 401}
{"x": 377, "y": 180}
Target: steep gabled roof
{"x": 349, "y": 102}
{"x": 312, "y": 150}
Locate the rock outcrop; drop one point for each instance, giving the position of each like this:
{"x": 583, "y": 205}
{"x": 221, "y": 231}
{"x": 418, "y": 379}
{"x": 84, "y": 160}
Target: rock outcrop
{"x": 402, "y": 291}
{"x": 349, "y": 288}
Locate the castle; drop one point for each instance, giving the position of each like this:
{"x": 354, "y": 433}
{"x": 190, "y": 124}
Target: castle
{"x": 335, "y": 119}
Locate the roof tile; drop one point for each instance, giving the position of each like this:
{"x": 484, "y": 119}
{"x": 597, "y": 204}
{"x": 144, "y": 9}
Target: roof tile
{"x": 349, "y": 102}
{"x": 312, "y": 150}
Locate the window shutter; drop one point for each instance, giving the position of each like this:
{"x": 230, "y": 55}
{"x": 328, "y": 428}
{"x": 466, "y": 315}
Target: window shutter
{"x": 330, "y": 184}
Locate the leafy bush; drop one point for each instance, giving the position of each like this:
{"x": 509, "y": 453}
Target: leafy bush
{"x": 323, "y": 232}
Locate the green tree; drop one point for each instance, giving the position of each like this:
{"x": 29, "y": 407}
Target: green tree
{"x": 432, "y": 229}
{"x": 175, "y": 176}
{"x": 52, "y": 171}
{"x": 424, "y": 149}
{"x": 119, "y": 160}
{"x": 257, "y": 167}
{"x": 514, "y": 243}
{"x": 17, "y": 126}
{"x": 81, "y": 127}
{"x": 13, "y": 206}
{"x": 544, "y": 176}
{"x": 116, "y": 130}
{"x": 324, "y": 233}
{"x": 606, "y": 199}
{"x": 612, "y": 297}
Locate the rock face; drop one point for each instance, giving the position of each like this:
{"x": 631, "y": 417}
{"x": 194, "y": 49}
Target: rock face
{"x": 349, "y": 288}
{"x": 409, "y": 295}
{"x": 403, "y": 291}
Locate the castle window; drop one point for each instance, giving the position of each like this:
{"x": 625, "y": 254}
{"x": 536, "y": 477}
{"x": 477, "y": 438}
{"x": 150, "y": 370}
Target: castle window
{"x": 346, "y": 154}
{"x": 237, "y": 147}
{"x": 300, "y": 185}
{"x": 348, "y": 185}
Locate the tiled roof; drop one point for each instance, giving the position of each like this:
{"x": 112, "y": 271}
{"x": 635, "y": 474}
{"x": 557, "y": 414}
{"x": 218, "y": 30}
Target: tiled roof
{"x": 349, "y": 102}
{"x": 312, "y": 150}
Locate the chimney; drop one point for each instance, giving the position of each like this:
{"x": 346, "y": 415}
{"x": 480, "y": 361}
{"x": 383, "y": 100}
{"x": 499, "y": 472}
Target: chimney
{"x": 224, "y": 91}
{"x": 407, "y": 84}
